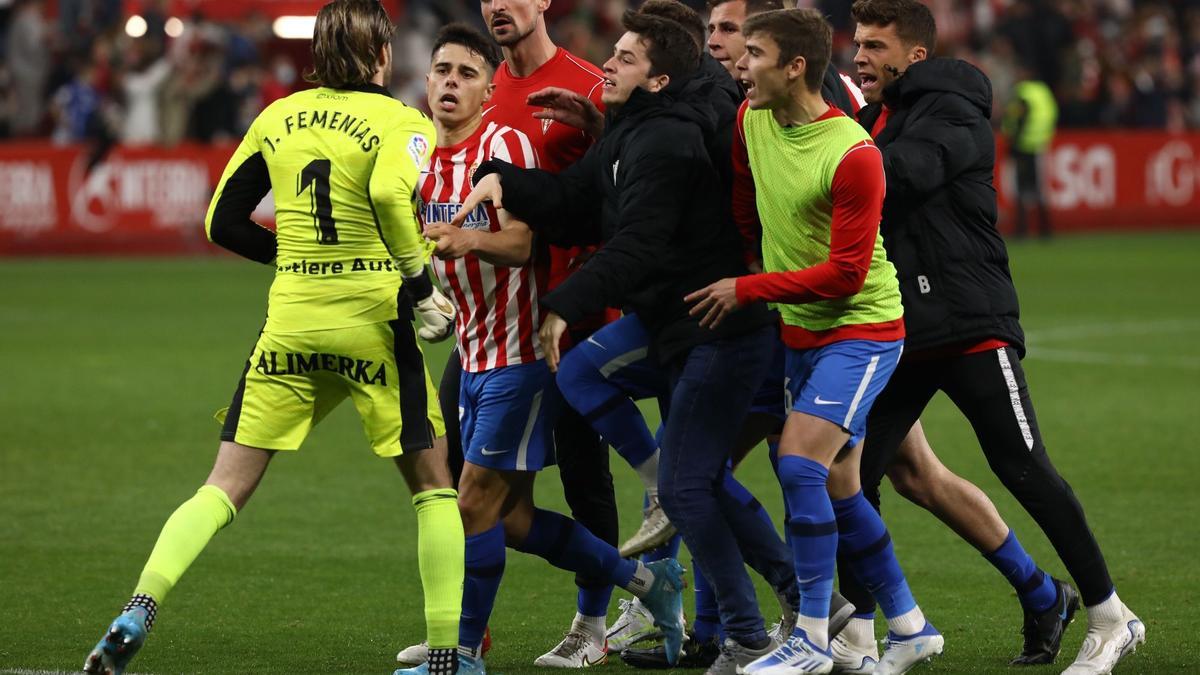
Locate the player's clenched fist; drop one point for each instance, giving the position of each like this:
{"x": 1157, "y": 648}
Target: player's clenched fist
{"x": 435, "y": 309}
{"x": 451, "y": 242}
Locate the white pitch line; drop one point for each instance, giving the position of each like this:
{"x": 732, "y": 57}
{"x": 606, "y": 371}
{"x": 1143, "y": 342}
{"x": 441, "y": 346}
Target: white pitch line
{"x": 1039, "y": 337}
{"x": 27, "y": 671}
{"x": 1108, "y": 329}
{"x": 1110, "y": 359}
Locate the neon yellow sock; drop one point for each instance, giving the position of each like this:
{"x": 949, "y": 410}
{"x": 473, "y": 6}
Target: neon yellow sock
{"x": 441, "y": 546}
{"x": 185, "y": 534}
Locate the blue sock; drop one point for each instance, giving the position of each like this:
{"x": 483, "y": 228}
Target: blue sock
{"x": 814, "y": 531}
{"x": 607, "y": 408}
{"x": 739, "y": 492}
{"x": 484, "y": 569}
{"x": 773, "y": 454}
{"x": 707, "y": 625}
{"x": 868, "y": 546}
{"x": 568, "y": 545}
{"x": 594, "y": 601}
{"x": 1034, "y": 587}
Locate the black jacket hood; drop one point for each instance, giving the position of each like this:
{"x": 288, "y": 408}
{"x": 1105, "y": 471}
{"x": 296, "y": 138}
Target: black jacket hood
{"x": 950, "y": 76}
{"x": 723, "y": 83}
{"x": 685, "y": 98}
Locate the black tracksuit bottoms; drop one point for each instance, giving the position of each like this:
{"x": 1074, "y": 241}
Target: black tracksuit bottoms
{"x": 989, "y": 388}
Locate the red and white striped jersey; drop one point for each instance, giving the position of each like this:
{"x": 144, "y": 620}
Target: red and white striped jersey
{"x": 498, "y": 314}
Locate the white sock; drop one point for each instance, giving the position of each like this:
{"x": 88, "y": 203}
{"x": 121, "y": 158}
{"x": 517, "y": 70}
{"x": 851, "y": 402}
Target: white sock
{"x": 642, "y": 579}
{"x": 591, "y": 626}
{"x": 859, "y": 631}
{"x": 1106, "y": 613}
{"x": 816, "y": 629}
{"x": 648, "y": 472}
{"x": 908, "y": 623}
{"x": 471, "y": 652}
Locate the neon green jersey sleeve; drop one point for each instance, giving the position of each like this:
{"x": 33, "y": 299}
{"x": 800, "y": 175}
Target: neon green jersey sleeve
{"x": 403, "y": 153}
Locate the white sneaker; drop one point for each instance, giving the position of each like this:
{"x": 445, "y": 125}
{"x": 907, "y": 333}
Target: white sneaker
{"x": 853, "y": 658}
{"x": 633, "y": 625}
{"x": 797, "y": 655}
{"x": 900, "y": 654}
{"x": 655, "y": 531}
{"x": 577, "y": 650}
{"x": 1104, "y": 647}
{"x": 414, "y": 655}
{"x": 779, "y": 632}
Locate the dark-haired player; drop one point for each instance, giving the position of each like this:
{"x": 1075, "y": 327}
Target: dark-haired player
{"x": 810, "y": 176}
{"x": 531, "y": 61}
{"x": 508, "y": 402}
{"x": 929, "y": 117}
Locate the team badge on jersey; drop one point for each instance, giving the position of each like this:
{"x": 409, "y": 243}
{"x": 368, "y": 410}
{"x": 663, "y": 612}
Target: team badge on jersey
{"x": 418, "y": 147}
{"x": 546, "y": 123}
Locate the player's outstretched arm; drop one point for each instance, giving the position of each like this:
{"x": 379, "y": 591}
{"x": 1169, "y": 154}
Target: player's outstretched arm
{"x": 560, "y": 207}
{"x": 243, "y": 185}
{"x": 660, "y": 179}
{"x": 858, "y": 190}
{"x": 570, "y": 108}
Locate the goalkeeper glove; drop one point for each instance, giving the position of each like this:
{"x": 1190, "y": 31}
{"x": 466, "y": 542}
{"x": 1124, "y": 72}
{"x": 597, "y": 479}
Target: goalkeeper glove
{"x": 434, "y": 308}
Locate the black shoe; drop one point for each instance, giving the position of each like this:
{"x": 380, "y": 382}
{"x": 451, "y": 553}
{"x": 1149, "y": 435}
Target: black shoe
{"x": 1044, "y": 632}
{"x": 841, "y": 611}
{"x": 695, "y": 655}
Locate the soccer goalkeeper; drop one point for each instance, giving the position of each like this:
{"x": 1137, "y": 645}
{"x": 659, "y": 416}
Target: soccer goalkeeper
{"x": 338, "y": 322}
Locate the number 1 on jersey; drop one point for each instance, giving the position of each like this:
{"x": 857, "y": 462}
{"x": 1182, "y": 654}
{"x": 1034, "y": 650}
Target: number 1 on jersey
{"x": 316, "y": 174}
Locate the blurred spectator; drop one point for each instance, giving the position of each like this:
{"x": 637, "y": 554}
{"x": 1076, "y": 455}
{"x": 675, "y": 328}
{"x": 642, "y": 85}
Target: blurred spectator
{"x": 279, "y": 81}
{"x": 1029, "y": 121}
{"x": 28, "y": 63}
{"x": 142, "y": 84}
{"x": 76, "y": 108}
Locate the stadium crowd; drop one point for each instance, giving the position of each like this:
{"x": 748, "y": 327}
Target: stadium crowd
{"x": 79, "y": 75}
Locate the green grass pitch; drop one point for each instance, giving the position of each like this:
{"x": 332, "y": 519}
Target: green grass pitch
{"x": 113, "y": 369}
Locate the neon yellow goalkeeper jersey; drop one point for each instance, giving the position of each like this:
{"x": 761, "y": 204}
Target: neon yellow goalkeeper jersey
{"x": 344, "y": 166}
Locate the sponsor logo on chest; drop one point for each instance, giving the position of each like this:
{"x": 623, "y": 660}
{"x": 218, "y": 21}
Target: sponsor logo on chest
{"x": 441, "y": 212}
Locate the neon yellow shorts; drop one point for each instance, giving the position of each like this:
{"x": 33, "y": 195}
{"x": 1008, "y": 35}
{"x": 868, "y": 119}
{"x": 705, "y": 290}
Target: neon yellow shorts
{"x": 293, "y": 380}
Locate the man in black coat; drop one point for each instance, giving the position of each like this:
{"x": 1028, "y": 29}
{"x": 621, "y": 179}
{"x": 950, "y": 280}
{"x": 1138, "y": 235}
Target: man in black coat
{"x": 929, "y": 117}
{"x": 649, "y": 193}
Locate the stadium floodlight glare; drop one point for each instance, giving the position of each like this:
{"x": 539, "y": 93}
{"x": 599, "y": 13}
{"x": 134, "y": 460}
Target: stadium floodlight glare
{"x": 135, "y": 26}
{"x": 173, "y": 27}
{"x": 294, "y": 27}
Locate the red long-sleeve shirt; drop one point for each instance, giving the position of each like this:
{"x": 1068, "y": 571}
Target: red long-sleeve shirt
{"x": 857, "y": 189}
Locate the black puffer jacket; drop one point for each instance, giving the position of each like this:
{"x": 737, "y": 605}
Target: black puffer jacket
{"x": 648, "y": 192}
{"x": 939, "y": 217}
{"x": 725, "y": 97}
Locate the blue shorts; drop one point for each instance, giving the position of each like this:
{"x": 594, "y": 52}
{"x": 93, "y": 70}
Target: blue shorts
{"x": 620, "y": 351}
{"x": 507, "y": 417}
{"x": 771, "y": 397}
{"x": 839, "y": 382}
